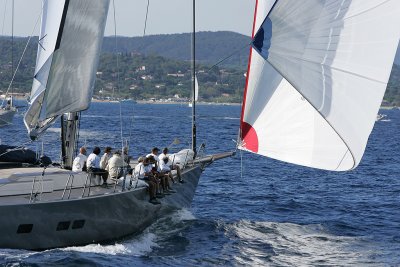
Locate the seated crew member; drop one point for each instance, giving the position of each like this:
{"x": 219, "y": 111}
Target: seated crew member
{"x": 143, "y": 172}
{"x": 172, "y": 165}
{"x": 166, "y": 171}
{"x": 161, "y": 179}
{"x": 79, "y": 163}
{"x": 154, "y": 154}
{"x": 93, "y": 165}
{"x": 105, "y": 158}
{"x": 115, "y": 165}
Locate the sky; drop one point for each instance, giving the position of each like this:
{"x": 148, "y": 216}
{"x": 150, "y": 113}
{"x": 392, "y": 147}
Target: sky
{"x": 165, "y": 16}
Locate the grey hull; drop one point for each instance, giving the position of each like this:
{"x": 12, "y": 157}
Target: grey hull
{"x": 93, "y": 219}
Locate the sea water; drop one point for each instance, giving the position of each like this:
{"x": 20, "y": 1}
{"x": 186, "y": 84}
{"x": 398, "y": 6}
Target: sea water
{"x": 248, "y": 210}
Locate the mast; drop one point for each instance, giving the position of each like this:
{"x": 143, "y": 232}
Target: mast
{"x": 193, "y": 79}
{"x": 12, "y": 52}
{"x": 69, "y": 138}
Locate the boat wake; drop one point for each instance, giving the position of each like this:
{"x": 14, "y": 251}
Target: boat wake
{"x": 140, "y": 246}
{"x": 143, "y": 244}
{"x": 287, "y": 244}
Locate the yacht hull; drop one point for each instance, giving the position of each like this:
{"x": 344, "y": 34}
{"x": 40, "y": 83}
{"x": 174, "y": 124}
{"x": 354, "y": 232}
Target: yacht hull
{"x": 93, "y": 219}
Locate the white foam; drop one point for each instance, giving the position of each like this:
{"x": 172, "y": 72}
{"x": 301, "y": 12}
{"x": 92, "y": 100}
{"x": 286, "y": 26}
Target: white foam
{"x": 100, "y": 249}
{"x": 137, "y": 246}
{"x": 296, "y": 245}
{"x": 183, "y": 215}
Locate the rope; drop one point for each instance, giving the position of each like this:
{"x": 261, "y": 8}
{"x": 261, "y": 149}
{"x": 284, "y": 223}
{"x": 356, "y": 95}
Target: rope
{"x": 231, "y": 55}
{"x": 22, "y": 56}
{"x": 145, "y": 21}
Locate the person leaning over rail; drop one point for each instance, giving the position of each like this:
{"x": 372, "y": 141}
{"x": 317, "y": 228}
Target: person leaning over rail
{"x": 79, "y": 163}
{"x": 171, "y": 165}
{"x": 143, "y": 172}
{"x": 93, "y": 165}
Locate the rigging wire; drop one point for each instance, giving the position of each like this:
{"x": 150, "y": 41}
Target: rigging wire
{"x": 4, "y": 18}
{"x": 229, "y": 56}
{"x": 145, "y": 21}
{"x": 117, "y": 80}
{"x": 22, "y": 56}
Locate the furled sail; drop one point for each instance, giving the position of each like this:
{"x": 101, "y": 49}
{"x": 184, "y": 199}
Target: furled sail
{"x": 318, "y": 70}
{"x": 196, "y": 88}
{"x": 67, "y": 58}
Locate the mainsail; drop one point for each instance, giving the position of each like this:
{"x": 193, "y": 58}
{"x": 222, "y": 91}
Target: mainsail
{"x": 318, "y": 70}
{"x": 67, "y": 58}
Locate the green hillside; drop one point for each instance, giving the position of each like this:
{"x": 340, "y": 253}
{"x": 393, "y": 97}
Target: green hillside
{"x": 210, "y": 47}
{"x": 159, "y": 67}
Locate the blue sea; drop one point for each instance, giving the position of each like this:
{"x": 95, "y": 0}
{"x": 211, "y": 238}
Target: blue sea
{"x": 248, "y": 210}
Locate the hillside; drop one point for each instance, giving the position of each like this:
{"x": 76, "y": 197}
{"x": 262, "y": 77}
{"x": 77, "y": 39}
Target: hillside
{"x": 159, "y": 67}
{"x": 210, "y": 47}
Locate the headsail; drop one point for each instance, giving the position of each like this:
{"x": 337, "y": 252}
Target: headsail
{"x": 67, "y": 58}
{"x": 317, "y": 74}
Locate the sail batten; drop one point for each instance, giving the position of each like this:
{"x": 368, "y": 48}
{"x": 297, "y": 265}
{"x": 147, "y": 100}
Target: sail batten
{"x": 68, "y": 53}
{"x": 318, "y": 73}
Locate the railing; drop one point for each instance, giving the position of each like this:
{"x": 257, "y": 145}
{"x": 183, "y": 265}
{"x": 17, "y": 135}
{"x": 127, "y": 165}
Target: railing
{"x": 33, "y": 196}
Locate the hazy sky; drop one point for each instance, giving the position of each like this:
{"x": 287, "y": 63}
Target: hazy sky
{"x": 165, "y": 16}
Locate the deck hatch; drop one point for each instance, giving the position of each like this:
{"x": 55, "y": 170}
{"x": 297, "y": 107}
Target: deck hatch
{"x": 78, "y": 224}
{"x": 24, "y": 228}
{"x": 62, "y": 226}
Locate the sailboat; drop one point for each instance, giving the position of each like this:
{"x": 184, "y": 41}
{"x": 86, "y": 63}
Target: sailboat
{"x": 50, "y": 207}
{"x": 316, "y": 77}
{"x": 7, "y": 108}
{"x": 7, "y": 112}
{"x": 196, "y": 92}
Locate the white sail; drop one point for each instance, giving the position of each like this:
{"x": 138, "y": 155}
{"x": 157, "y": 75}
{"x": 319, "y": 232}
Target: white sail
{"x": 317, "y": 74}
{"x": 67, "y": 58}
{"x": 196, "y": 91}
{"x": 196, "y": 88}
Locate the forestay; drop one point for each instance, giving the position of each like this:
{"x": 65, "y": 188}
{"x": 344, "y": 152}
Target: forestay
{"x": 67, "y": 58}
{"x": 317, "y": 74}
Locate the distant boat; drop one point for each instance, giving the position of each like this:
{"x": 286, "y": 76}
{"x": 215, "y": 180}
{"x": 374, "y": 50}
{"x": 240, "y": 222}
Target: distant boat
{"x": 130, "y": 101}
{"x": 6, "y": 115}
{"x": 380, "y": 117}
{"x": 7, "y": 109}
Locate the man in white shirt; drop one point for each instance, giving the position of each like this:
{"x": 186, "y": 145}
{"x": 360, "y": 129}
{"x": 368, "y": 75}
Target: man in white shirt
{"x": 93, "y": 165}
{"x": 143, "y": 172}
{"x": 171, "y": 165}
{"x": 79, "y": 163}
{"x": 165, "y": 170}
{"x": 154, "y": 153}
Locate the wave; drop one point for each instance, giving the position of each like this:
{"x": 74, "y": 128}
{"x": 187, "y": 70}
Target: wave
{"x": 143, "y": 244}
{"x": 288, "y": 244}
{"x": 139, "y": 246}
